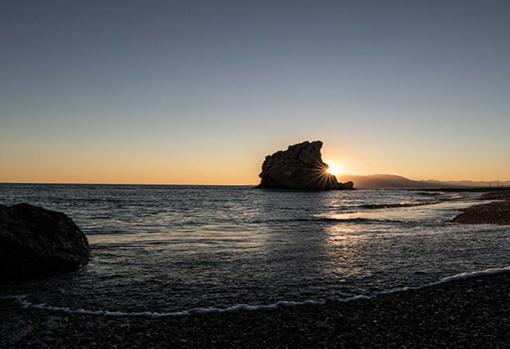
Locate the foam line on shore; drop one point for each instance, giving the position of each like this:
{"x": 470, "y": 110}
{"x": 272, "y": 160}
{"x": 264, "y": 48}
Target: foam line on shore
{"x": 473, "y": 274}
{"x": 24, "y": 302}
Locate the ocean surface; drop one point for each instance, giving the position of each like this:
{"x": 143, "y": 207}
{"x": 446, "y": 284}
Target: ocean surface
{"x": 171, "y": 249}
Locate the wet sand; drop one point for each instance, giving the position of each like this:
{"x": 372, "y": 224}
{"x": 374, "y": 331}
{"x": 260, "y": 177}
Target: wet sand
{"x": 472, "y": 312}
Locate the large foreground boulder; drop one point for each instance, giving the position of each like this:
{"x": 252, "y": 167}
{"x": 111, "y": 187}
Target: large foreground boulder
{"x": 35, "y": 241}
{"x": 299, "y": 167}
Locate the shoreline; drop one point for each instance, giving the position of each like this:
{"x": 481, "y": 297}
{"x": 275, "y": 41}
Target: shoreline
{"x": 464, "y": 310}
{"x": 22, "y": 301}
{"x": 496, "y": 211}
{"x": 459, "y": 312}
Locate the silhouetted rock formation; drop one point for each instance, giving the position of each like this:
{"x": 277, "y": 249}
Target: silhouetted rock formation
{"x": 299, "y": 167}
{"x": 36, "y": 241}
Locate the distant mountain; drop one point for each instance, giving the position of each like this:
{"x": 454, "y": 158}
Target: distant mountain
{"x": 384, "y": 181}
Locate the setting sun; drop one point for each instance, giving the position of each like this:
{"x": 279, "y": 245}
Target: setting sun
{"x": 333, "y": 168}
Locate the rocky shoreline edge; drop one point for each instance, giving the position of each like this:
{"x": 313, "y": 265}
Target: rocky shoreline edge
{"x": 460, "y": 313}
{"x": 495, "y": 212}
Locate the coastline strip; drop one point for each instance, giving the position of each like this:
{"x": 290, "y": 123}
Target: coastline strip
{"x": 24, "y": 302}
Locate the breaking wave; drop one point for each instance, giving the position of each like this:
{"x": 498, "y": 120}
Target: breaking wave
{"x": 401, "y": 204}
{"x": 331, "y": 220}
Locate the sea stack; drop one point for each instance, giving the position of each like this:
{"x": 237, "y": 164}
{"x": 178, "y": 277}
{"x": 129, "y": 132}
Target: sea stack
{"x": 36, "y": 241}
{"x": 299, "y": 167}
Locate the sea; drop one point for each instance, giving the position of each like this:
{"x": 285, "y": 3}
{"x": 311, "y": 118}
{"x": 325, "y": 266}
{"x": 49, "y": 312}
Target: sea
{"x": 177, "y": 250}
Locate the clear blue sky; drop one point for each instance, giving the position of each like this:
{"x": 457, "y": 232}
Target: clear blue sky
{"x": 201, "y": 91}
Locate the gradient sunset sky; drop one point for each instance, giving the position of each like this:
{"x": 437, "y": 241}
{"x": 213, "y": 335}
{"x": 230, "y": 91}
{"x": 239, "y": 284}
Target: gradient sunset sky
{"x": 199, "y": 92}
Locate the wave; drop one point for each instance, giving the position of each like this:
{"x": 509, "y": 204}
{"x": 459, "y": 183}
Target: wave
{"x": 356, "y": 220}
{"x": 24, "y": 302}
{"x": 430, "y": 193}
{"x": 329, "y": 220}
{"x": 398, "y": 205}
{"x": 438, "y": 198}
{"x": 472, "y": 274}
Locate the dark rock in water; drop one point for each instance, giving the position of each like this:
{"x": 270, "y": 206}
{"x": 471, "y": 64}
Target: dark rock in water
{"x": 492, "y": 213}
{"x": 502, "y": 194}
{"x": 35, "y": 241}
{"x": 299, "y": 167}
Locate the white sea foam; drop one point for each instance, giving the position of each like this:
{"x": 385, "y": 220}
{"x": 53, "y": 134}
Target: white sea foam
{"x": 24, "y": 302}
{"x": 472, "y": 274}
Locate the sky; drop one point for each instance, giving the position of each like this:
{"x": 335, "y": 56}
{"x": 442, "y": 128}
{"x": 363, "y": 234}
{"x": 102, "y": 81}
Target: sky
{"x": 199, "y": 92}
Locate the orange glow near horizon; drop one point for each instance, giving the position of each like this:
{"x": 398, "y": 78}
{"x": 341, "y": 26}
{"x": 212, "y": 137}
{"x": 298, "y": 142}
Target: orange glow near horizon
{"x": 161, "y": 100}
{"x": 222, "y": 164}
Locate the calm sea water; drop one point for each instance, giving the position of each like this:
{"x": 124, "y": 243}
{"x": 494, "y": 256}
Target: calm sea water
{"x": 173, "y": 248}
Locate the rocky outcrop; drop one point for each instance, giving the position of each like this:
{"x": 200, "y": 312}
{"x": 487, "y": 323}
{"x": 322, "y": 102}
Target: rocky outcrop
{"x": 496, "y": 194}
{"x": 299, "y": 167}
{"x": 35, "y": 241}
{"x": 497, "y": 212}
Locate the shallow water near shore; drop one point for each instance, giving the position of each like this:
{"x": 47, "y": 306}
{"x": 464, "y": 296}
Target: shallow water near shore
{"x": 174, "y": 248}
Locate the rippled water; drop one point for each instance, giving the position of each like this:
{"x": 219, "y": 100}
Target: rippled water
{"x": 171, "y": 248}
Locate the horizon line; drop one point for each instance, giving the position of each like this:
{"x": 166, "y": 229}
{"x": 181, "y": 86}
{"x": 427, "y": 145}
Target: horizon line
{"x": 140, "y": 184}
{"x": 489, "y": 182}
